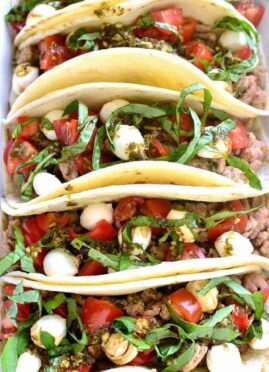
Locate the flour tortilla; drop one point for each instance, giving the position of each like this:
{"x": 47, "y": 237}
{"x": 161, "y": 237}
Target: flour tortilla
{"x": 143, "y": 172}
{"x": 115, "y": 193}
{"x": 163, "y": 270}
{"x": 117, "y": 65}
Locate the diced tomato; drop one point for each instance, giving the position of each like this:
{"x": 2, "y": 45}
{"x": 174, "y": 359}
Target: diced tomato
{"x": 54, "y": 56}
{"x": 18, "y": 152}
{"x": 23, "y": 310}
{"x": 85, "y": 368}
{"x": 186, "y": 124}
{"x": 252, "y": 12}
{"x": 197, "y": 49}
{"x": 239, "y": 136}
{"x": 61, "y": 310}
{"x": 103, "y": 232}
{"x": 28, "y": 130}
{"x": 38, "y": 261}
{"x": 8, "y": 289}
{"x": 142, "y": 358}
{"x": 7, "y": 328}
{"x": 191, "y": 251}
{"x": 173, "y": 17}
{"x": 17, "y": 26}
{"x": 83, "y": 164}
{"x": 265, "y": 293}
{"x": 244, "y": 53}
{"x": 66, "y": 131}
{"x": 150, "y": 32}
{"x": 157, "y": 148}
{"x": 96, "y": 314}
{"x": 185, "y": 305}
{"x": 187, "y": 29}
{"x": 46, "y": 220}
{"x": 92, "y": 268}
{"x": 49, "y": 41}
{"x": 238, "y": 223}
{"x": 240, "y": 318}
{"x": 126, "y": 209}
{"x": 156, "y": 207}
{"x": 32, "y": 233}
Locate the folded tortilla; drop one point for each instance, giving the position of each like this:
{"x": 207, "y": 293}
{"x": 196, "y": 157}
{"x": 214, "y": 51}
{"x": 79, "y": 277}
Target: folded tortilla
{"x": 117, "y": 65}
{"x": 94, "y": 95}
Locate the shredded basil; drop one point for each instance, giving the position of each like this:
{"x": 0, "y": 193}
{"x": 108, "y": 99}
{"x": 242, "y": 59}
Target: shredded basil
{"x": 182, "y": 359}
{"x": 96, "y": 154}
{"x": 16, "y": 132}
{"x": 74, "y": 321}
{"x": 54, "y": 302}
{"x": 14, "y": 347}
{"x": 82, "y": 39}
{"x": 47, "y": 340}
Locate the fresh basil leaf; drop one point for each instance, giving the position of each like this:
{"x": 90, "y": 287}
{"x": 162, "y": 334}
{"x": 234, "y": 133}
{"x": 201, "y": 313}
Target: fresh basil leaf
{"x": 47, "y": 340}
{"x": 8, "y": 261}
{"x": 219, "y": 316}
{"x": 181, "y": 360}
{"x": 82, "y": 39}
{"x": 16, "y": 132}
{"x": 104, "y": 259}
{"x": 233, "y": 285}
{"x": 54, "y": 302}
{"x": 96, "y": 154}
{"x": 72, "y": 349}
{"x": 241, "y": 164}
{"x": 46, "y": 124}
{"x": 74, "y": 321}
{"x": 125, "y": 326}
{"x": 12, "y": 313}
{"x": 82, "y": 142}
{"x": 257, "y": 298}
{"x": 218, "y": 218}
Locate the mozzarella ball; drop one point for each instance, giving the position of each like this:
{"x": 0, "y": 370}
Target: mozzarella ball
{"x": 28, "y": 362}
{"x": 266, "y": 306}
{"x": 184, "y": 233}
{"x": 233, "y": 40}
{"x": 60, "y": 262}
{"x": 55, "y": 325}
{"x": 110, "y": 107}
{"x": 263, "y": 343}
{"x": 94, "y": 213}
{"x": 44, "y": 183}
{"x": 39, "y": 11}
{"x": 23, "y": 76}
{"x": 52, "y": 116}
{"x": 223, "y": 358}
{"x": 128, "y": 143}
{"x": 223, "y": 146}
{"x": 140, "y": 235}
{"x": 208, "y": 302}
{"x": 232, "y": 243}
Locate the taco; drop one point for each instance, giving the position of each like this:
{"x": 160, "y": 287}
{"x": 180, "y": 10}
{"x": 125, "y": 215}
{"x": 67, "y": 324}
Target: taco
{"x": 156, "y": 238}
{"x": 197, "y": 325}
{"x": 216, "y": 47}
{"x": 85, "y": 137}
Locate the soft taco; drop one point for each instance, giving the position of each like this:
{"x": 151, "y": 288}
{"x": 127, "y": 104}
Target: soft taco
{"x": 101, "y": 134}
{"x": 135, "y": 239}
{"x": 217, "y": 47}
{"x": 201, "y": 324}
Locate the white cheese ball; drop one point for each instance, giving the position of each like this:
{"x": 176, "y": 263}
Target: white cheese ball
{"x": 223, "y": 358}
{"x": 128, "y": 142}
{"x": 94, "y": 213}
{"x": 23, "y": 76}
{"x": 140, "y": 235}
{"x": 232, "y": 243}
{"x": 110, "y": 107}
{"x": 263, "y": 343}
{"x": 60, "y": 262}
{"x": 39, "y": 11}
{"x": 208, "y": 302}
{"x": 223, "y": 147}
{"x": 55, "y": 325}
{"x": 233, "y": 40}
{"x": 28, "y": 362}
{"x": 52, "y": 116}
{"x": 44, "y": 183}
{"x": 185, "y": 234}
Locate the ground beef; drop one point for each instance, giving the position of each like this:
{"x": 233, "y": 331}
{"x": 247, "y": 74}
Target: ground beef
{"x": 251, "y": 89}
{"x": 24, "y": 55}
{"x": 255, "y": 153}
{"x": 205, "y": 33}
{"x": 69, "y": 170}
{"x": 255, "y": 282}
{"x": 8, "y": 239}
{"x": 200, "y": 352}
{"x": 157, "y": 309}
{"x": 159, "y": 250}
{"x": 200, "y": 163}
{"x": 235, "y": 174}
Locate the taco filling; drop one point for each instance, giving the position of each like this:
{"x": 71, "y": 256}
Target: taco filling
{"x": 227, "y": 52}
{"x": 177, "y": 328}
{"x": 132, "y": 233}
{"x": 62, "y": 145}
